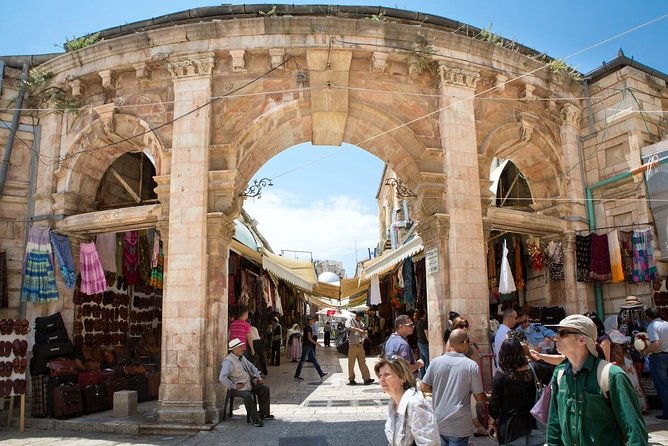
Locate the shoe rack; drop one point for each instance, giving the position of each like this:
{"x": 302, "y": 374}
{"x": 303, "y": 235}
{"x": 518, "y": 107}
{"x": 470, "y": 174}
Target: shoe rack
{"x": 13, "y": 365}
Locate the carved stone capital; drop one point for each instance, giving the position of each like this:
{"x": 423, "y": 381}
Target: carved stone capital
{"x": 431, "y": 189}
{"x": 107, "y": 77}
{"x": 163, "y": 228}
{"x": 191, "y": 66}
{"x": 106, "y": 114}
{"x": 458, "y": 76}
{"x": 219, "y": 226}
{"x": 527, "y": 93}
{"x": 77, "y": 87}
{"x": 527, "y": 124}
{"x": 568, "y": 242}
{"x": 238, "y": 61}
{"x": 142, "y": 70}
{"x": 378, "y": 61}
{"x": 500, "y": 82}
{"x": 570, "y": 114}
{"x": 435, "y": 227}
{"x": 277, "y": 56}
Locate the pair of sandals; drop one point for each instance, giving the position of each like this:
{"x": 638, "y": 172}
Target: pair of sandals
{"x": 19, "y": 347}
{"x": 18, "y": 386}
{"x": 18, "y": 365}
{"x": 18, "y": 326}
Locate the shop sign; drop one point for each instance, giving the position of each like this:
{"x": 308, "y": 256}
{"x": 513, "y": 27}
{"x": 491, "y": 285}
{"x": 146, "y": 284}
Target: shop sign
{"x": 432, "y": 261}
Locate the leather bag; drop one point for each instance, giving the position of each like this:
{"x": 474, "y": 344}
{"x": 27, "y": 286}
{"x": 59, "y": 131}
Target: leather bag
{"x": 63, "y": 367}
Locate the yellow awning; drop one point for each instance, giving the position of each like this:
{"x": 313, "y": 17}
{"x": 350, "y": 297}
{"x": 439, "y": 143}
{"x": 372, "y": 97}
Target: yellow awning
{"x": 389, "y": 259}
{"x": 353, "y": 287}
{"x": 300, "y": 273}
{"x": 245, "y": 251}
{"x": 327, "y": 290}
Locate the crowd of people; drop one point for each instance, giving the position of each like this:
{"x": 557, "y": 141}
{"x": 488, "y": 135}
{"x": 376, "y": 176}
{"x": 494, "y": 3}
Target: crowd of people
{"x": 580, "y": 367}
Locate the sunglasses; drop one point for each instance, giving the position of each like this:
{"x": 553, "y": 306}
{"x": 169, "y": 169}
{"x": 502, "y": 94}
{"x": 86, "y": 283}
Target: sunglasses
{"x": 408, "y": 325}
{"x": 393, "y": 357}
{"x": 563, "y": 333}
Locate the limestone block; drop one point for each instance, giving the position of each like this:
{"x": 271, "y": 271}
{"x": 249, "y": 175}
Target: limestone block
{"x": 125, "y": 403}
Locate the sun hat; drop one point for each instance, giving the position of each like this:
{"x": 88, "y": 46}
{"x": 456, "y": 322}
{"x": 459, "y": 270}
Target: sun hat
{"x": 583, "y": 325}
{"x": 234, "y": 343}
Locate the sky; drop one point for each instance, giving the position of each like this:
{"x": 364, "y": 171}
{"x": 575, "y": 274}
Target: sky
{"x": 323, "y": 198}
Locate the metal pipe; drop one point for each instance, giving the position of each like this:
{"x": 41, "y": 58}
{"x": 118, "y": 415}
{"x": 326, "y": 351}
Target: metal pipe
{"x": 4, "y": 167}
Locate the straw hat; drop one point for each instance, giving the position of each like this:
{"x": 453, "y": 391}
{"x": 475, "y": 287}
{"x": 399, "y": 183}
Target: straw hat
{"x": 631, "y": 302}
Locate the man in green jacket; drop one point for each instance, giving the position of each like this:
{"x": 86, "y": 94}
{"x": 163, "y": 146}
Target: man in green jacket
{"x": 580, "y": 414}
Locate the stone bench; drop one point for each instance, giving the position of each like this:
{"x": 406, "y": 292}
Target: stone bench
{"x": 125, "y": 403}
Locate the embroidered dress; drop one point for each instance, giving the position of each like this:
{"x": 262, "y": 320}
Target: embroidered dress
{"x": 38, "y": 240}
{"x": 157, "y": 272}
{"x": 39, "y": 283}
{"x": 92, "y": 274}
{"x": 130, "y": 257}
{"x": 61, "y": 246}
{"x": 554, "y": 259}
{"x": 626, "y": 245}
{"x": 644, "y": 265}
{"x": 599, "y": 264}
{"x": 144, "y": 258}
{"x": 583, "y": 257}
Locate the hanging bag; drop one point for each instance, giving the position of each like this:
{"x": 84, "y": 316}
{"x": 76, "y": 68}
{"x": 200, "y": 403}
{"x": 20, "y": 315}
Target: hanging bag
{"x": 541, "y": 410}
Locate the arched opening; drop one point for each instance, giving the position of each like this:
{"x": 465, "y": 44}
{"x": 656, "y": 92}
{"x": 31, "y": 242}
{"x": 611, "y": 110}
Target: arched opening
{"x": 127, "y": 182}
{"x": 510, "y": 186}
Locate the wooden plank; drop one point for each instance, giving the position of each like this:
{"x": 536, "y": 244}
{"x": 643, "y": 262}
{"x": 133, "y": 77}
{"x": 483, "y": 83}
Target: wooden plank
{"x": 125, "y": 185}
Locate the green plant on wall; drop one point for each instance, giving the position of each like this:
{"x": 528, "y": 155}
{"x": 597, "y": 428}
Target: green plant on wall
{"x": 40, "y": 95}
{"x": 377, "y": 17}
{"x": 270, "y": 13}
{"x": 81, "y": 42}
{"x": 422, "y": 56}
{"x": 559, "y": 67}
{"x": 487, "y": 35}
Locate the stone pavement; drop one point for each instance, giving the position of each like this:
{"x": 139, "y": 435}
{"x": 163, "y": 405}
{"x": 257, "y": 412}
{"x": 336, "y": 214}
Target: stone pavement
{"x": 311, "y": 411}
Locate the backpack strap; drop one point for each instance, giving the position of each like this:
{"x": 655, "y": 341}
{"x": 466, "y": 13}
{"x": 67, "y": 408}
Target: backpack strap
{"x": 560, "y": 373}
{"x": 603, "y": 377}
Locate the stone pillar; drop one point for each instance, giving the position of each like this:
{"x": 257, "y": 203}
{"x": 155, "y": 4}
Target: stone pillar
{"x": 570, "y": 278}
{"x": 434, "y": 232}
{"x": 466, "y": 244}
{"x": 185, "y": 291}
{"x": 220, "y": 229}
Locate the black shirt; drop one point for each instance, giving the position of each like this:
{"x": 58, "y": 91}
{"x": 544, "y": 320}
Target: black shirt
{"x": 421, "y": 327}
{"x": 305, "y": 340}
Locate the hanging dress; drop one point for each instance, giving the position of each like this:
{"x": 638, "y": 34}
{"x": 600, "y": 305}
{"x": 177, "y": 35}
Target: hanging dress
{"x": 583, "y": 257}
{"x": 626, "y": 246}
{"x": 61, "y": 246}
{"x": 106, "y": 250}
{"x": 145, "y": 253}
{"x": 599, "y": 263}
{"x": 157, "y": 272}
{"x": 131, "y": 257}
{"x": 92, "y": 274}
{"x": 615, "y": 257}
{"x": 39, "y": 282}
{"x": 644, "y": 265}
{"x": 554, "y": 259}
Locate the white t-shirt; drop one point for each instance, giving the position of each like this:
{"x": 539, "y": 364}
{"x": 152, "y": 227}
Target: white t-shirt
{"x": 453, "y": 378}
{"x": 658, "y": 331}
{"x": 499, "y": 338}
{"x": 255, "y": 334}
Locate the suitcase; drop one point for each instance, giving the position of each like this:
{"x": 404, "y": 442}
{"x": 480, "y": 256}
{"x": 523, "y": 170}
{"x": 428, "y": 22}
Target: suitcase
{"x": 48, "y": 323}
{"x": 62, "y": 348}
{"x": 552, "y": 315}
{"x": 39, "y": 366}
{"x": 105, "y": 374}
{"x": 49, "y": 337}
{"x": 153, "y": 385}
{"x": 63, "y": 367}
{"x": 67, "y": 401}
{"x": 140, "y": 384}
{"x": 114, "y": 385}
{"x": 40, "y": 396}
{"x": 95, "y": 398}
{"x": 85, "y": 379}
{"x": 54, "y": 382}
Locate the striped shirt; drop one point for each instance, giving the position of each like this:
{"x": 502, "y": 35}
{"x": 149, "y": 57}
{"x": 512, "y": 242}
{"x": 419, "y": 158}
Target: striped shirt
{"x": 238, "y": 329}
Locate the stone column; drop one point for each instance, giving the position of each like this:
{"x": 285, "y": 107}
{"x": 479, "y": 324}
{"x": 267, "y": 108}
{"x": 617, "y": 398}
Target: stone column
{"x": 579, "y": 296}
{"x": 220, "y": 229}
{"x": 466, "y": 243}
{"x": 434, "y": 232}
{"x": 185, "y": 291}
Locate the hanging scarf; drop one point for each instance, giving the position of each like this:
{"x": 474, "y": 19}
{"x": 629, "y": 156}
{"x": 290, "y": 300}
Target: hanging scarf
{"x": 61, "y": 246}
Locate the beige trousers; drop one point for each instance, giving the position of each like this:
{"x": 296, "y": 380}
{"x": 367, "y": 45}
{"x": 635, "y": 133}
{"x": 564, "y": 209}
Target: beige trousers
{"x": 356, "y": 352}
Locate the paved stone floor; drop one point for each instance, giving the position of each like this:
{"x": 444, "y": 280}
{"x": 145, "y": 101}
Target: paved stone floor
{"x": 308, "y": 412}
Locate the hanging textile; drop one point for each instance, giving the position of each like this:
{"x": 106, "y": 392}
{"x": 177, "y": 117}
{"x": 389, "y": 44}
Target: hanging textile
{"x": 266, "y": 290}
{"x": 374, "y": 291}
{"x": 583, "y": 257}
{"x": 506, "y": 282}
{"x": 615, "y": 257}
{"x": 39, "y": 283}
{"x": 4, "y": 295}
{"x": 230, "y": 290}
{"x": 144, "y": 257}
{"x": 535, "y": 253}
{"x": 644, "y": 265}
{"x": 244, "y": 293}
{"x": 155, "y": 251}
{"x": 131, "y": 257}
{"x": 278, "y": 307}
{"x": 599, "y": 262}
{"x": 38, "y": 240}
{"x": 554, "y": 260}
{"x": 409, "y": 283}
{"x": 61, "y": 246}
{"x": 491, "y": 264}
{"x": 106, "y": 250}
{"x": 626, "y": 245}
{"x": 157, "y": 272}
{"x": 519, "y": 274}
{"x": 92, "y": 274}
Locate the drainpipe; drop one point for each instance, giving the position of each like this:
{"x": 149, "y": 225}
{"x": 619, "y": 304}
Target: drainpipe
{"x": 598, "y": 289}
{"x": 4, "y": 167}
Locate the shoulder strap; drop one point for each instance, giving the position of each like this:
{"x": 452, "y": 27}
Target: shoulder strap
{"x": 560, "y": 373}
{"x": 603, "y": 376}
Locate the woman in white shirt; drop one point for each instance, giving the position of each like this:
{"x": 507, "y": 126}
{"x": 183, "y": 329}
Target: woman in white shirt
{"x": 410, "y": 418}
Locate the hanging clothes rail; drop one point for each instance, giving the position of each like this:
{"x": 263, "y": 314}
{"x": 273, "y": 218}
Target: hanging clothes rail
{"x": 639, "y": 225}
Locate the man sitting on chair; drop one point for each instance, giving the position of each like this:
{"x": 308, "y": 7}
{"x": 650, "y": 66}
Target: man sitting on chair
{"x": 241, "y": 378}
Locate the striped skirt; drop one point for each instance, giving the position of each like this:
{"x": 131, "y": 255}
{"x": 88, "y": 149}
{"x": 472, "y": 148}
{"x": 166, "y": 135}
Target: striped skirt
{"x": 39, "y": 283}
{"x": 92, "y": 274}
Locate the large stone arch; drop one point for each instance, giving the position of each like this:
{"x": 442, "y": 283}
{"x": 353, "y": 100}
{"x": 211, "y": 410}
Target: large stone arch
{"x": 95, "y": 149}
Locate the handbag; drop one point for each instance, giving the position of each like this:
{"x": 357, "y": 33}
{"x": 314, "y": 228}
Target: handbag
{"x": 541, "y": 410}
{"x": 63, "y": 367}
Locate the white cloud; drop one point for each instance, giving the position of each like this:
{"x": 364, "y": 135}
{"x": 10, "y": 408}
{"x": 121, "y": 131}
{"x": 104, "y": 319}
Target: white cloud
{"x": 327, "y": 227}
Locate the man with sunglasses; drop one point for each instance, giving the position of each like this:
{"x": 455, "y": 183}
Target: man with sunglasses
{"x": 581, "y": 413}
{"x": 396, "y": 344}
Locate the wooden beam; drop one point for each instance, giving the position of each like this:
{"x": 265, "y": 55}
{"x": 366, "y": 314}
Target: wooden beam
{"x": 125, "y": 185}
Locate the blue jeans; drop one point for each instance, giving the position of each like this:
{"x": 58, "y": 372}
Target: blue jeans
{"x": 308, "y": 352}
{"x": 658, "y": 367}
{"x": 454, "y": 441}
{"x": 424, "y": 355}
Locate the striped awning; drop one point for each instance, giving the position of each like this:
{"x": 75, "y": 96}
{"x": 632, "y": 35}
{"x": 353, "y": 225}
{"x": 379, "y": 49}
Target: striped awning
{"x": 389, "y": 259}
